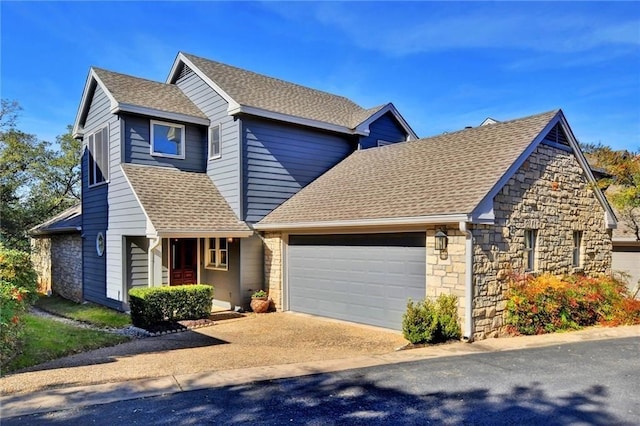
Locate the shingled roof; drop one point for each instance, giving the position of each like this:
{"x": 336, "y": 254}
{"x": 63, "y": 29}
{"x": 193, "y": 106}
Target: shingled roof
{"x": 255, "y": 90}
{"x": 147, "y": 94}
{"x": 67, "y": 221}
{"x": 448, "y": 174}
{"x": 181, "y": 202}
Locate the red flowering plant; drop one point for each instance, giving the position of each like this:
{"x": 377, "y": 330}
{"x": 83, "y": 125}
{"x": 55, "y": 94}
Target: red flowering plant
{"x": 548, "y": 303}
{"x": 17, "y": 291}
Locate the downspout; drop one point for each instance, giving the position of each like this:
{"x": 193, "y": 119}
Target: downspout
{"x": 468, "y": 287}
{"x": 155, "y": 242}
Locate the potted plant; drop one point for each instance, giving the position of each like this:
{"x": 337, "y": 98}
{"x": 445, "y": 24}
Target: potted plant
{"x": 260, "y": 302}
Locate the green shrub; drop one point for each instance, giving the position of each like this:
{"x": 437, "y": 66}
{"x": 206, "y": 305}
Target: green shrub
{"x": 18, "y": 286}
{"x": 548, "y": 303}
{"x": 432, "y": 322}
{"x": 154, "y": 305}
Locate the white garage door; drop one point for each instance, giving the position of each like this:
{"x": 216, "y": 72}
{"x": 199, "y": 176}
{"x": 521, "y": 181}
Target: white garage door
{"x": 364, "y": 278}
{"x": 627, "y": 259}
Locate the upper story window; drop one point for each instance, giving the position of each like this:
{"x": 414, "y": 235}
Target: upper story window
{"x": 216, "y": 254}
{"x": 98, "y": 145}
{"x": 214, "y": 142}
{"x": 382, "y": 142}
{"x": 530, "y": 241}
{"x": 577, "y": 244}
{"x": 167, "y": 139}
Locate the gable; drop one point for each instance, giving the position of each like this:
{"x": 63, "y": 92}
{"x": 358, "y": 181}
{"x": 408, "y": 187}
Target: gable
{"x": 383, "y": 131}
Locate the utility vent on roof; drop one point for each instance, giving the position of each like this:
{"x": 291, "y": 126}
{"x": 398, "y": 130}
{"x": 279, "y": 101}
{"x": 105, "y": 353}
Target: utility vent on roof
{"x": 185, "y": 71}
{"x": 557, "y": 135}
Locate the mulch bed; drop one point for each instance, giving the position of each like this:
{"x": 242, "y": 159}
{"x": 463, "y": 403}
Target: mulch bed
{"x": 167, "y": 327}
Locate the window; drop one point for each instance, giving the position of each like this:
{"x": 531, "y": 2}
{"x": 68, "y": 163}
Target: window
{"x": 214, "y": 142}
{"x": 216, "y": 254}
{"x": 167, "y": 140}
{"x": 530, "y": 236}
{"x": 384, "y": 143}
{"x": 577, "y": 244}
{"x": 98, "y": 144}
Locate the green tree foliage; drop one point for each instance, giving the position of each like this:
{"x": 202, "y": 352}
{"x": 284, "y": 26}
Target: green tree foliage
{"x": 37, "y": 179}
{"x": 623, "y": 186}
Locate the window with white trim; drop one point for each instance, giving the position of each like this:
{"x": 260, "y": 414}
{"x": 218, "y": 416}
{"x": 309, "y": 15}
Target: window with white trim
{"x": 98, "y": 145}
{"x": 382, "y": 142}
{"x": 216, "y": 254}
{"x": 577, "y": 252}
{"x": 167, "y": 139}
{"x": 215, "y": 146}
{"x": 530, "y": 237}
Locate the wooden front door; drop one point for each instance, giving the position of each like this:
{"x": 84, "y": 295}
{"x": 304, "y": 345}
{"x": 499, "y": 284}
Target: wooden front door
{"x": 184, "y": 261}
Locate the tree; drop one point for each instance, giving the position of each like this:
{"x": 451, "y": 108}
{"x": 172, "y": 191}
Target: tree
{"x": 37, "y": 181}
{"x": 623, "y": 185}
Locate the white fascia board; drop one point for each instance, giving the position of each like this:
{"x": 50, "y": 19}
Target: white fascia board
{"x": 85, "y": 102}
{"x": 610, "y": 218}
{"x": 417, "y": 220}
{"x": 363, "y": 128}
{"x": 512, "y": 170}
{"x": 171, "y": 116}
{"x": 233, "y": 110}
{"x": 183, "y": 59}
{"x": 203, "y": 234}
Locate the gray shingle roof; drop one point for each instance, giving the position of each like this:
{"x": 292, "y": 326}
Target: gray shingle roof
{"x": 446, "y": 174}
{"x": 177, "y": 201}
{"x": 148, "y": 94}
{"x": 271, "y": 94}
{"x": 69, "y": 220}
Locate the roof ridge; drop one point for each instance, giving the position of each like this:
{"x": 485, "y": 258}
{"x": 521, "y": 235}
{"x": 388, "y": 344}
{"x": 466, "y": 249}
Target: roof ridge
{"x": 280, "y": 80}
{"x": 130, "y": 76}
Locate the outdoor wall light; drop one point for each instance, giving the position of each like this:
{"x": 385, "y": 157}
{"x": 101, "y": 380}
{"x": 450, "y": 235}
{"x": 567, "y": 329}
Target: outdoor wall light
{"x": 441, "y": 240}
{"x": 230, "y": 239}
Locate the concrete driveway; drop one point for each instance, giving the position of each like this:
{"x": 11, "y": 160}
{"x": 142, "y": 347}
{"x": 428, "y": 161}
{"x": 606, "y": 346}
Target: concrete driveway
{"x": 251, "y": 341}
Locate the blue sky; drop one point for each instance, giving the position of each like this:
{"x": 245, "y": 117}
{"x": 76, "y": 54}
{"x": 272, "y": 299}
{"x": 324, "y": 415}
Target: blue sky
{"x": 444, "y": 65}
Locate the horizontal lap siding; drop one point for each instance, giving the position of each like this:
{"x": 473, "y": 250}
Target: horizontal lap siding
{"x": 223, "y": 171}
{"x": 280, "y": 160}
{"x": 95, "y": 206}
{"x": 137, "y": 262}
{"x": 385, "y": 128}
{"x": 137, "y": 136}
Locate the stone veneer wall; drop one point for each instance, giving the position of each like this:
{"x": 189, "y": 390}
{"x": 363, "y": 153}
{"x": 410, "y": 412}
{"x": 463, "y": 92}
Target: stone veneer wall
{"x": 273, "y": 266}
{"x": 57, "y": 259}
{"x": 446, "y": 274}
{"x": 549, "y": 193}
{"x": 41, "y": 260}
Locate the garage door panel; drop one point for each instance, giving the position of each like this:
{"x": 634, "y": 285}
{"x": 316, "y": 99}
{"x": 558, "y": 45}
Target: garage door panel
{"x": 366, "y": 284}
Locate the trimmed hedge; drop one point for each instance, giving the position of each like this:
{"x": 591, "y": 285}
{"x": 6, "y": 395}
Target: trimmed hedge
{"x": 432, "y": 322}
{"x": 155, "y": 305}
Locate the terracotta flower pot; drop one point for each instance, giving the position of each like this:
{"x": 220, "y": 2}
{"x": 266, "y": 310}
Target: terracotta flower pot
{"x": 260, "y": 305}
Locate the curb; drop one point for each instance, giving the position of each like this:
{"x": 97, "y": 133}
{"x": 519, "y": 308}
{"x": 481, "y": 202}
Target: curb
{"x": 79, "y": 396}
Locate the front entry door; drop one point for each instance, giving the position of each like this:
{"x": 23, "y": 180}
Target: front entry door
{"x": 184, "y": 261}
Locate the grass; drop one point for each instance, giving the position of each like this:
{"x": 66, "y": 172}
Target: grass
{"x": 99, "y": 316}
{"x": 47, "y": 339}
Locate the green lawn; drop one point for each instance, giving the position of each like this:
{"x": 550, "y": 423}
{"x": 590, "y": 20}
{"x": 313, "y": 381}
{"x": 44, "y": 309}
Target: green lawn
{"x": 99, "y": 316}
{"x": 47, "y": 339}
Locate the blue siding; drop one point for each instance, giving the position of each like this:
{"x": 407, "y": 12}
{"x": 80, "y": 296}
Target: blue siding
{"x": 280, "y": 160}
{"x": 137, "y": 132}
{"x": 223, "y": 171}
{"x": 95, "y": 209}
{"x": 385, "y": 128}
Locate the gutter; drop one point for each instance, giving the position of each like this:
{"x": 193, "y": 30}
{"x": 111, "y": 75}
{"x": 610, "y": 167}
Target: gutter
{"x": 468, "y": 278}
{"x": 393, "y": 221}
{"x": 155, "y": 242}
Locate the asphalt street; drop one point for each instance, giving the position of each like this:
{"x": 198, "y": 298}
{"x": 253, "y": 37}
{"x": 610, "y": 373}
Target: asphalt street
{"x": 589, "y": 383}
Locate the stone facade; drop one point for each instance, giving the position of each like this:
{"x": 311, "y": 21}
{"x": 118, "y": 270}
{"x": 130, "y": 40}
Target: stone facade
{"x": 273, "y": 267}
{"x": 550, "y": 193}
{"x": 57, "y": 259}
{"x": 446, "y": 272}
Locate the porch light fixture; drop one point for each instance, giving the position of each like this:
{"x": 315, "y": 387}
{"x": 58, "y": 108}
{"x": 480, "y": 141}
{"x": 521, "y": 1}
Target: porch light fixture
{"x": 230, "y": 239}
{"x": 441, "y": 240}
